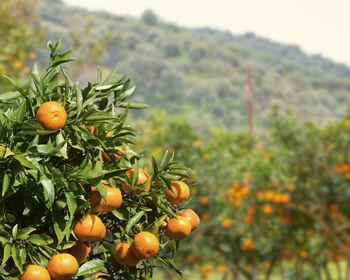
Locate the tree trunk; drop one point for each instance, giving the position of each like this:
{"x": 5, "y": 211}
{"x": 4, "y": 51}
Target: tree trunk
{"x": 317, "y": 270}
{"x": 298, "y": 269}
{"x": 347, "y": 276}
{"x": 270, "y": 270}
{"x": 282, "y": 271}
{"x": 339, "y": 272}
{"x": 235, "y": 274}
{"x": 326, "y": 271}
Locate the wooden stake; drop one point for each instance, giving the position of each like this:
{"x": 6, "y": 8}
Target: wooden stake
{"x": 250, "y": 102}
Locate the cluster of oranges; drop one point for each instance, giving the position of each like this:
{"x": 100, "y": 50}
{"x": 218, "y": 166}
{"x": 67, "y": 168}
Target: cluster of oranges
{"x": 187, "y": 220}
{"x": 273, "y": 197}
{"x": 343, "y": 169}
{"x": 238, "y": 193}
{"x": 90, "y": 228}
{"x": 208, "y": 268}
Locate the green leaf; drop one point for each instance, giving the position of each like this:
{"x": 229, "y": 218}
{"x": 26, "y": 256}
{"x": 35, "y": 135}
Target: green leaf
{"x": 25, "y": 161}
{"x": 79, "y": 100}
{"x": 40, "y": 239}
{"x": 63, "y": 150}
{"x": 15, "y": 231}
{"x": 17, "y": 258}
{"x": 134, "y": 220}
{"x": 90, "y": 267}
{"x": 5, "y": 183}
{"x": 133, "y": 105}
{"x": 25, "y": 232}
{"x": 5, "y": 237}
{"x": 72, "y": 204}
{"x": 23, "y": 255}
{"x": 59, "y": 226}
{"x": 7, "y": 96}
{"x": 5, "y": 152}
{"x": 49, "y": 191}
{"x": 102, "y": 190}
{"x": 6, "y": 253}
{"x": 61, "y": 58}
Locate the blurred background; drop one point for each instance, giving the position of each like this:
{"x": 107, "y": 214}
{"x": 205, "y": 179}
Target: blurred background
{"x": 254, "y": 96}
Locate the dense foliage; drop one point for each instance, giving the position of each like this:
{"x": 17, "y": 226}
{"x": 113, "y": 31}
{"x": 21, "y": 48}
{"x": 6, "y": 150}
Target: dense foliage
{"x": 58, "y": 176}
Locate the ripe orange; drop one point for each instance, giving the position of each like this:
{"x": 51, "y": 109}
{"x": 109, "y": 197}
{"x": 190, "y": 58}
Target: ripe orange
{"x": 51, "y": 115}
{"x": 247, "y": 244}
{"x": 267, "y": 209}
{"x": 204, "y": 200}
{"x": 62, "y": 267}
{"x": 35, "y": 272}
{"x": 79, "y": 251}
{"x": 142, "y": 178}
{"x": 222, "y": 269}
{"x": 192, "y": 217}
{"x": 145, "y": 245}
{"x": 113, "y": 199}
{"x": 178, "y": 228}
{"x": 123, "y": 255}
{"x": 90, "y": 229}
{"x": 178, "y": 194}
{"x": 117, "y": 156}
{"x": 227, "y": 223}
{"x": 206, "y": 217}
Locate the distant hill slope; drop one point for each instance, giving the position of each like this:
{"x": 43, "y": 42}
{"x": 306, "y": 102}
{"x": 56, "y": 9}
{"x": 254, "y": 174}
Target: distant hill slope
{"x": 201, "y": 73}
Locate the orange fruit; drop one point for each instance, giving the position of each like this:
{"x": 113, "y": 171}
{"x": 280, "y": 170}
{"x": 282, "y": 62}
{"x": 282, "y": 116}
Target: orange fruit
{"x": 79, "y": 251}
{"x": 227, "y": 223}
{"x": 222, "y": 269}
{"x": 35, "y": 272}
{"x": 90, "y": 228}
{"x": 145, "y": 245}
{"x": 123, "y": 255}
{"x": 178, "y": 228}
{"x": 178, "y": 193}
{"x": 51, "y": 115}
{"x": 204, "y": 200}
{"x": 112, "y": 202}
{"x": 192, "y": 217}
{"x": 142, "y": 178}
{"x": 62, "y": 267}
{"x": 247, "y": 244}
{"x": 117, "y": 156}
{"x": 267, "y": 209}
{"x": 206, "y": 217}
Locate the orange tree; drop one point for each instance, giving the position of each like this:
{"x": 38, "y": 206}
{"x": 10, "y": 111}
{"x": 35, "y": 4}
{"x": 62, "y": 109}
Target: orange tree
{"x": 16, "y": 25}
{"x": 76, "y": 199}
{"x": 288, "y": 200}
{"x": 279, "y": 200}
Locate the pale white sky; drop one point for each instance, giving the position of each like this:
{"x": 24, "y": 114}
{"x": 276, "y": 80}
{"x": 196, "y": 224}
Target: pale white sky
{"x": 318, "y": 26}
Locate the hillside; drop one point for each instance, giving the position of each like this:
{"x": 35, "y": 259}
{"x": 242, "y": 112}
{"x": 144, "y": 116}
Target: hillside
{"x": 201, "y": 73}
